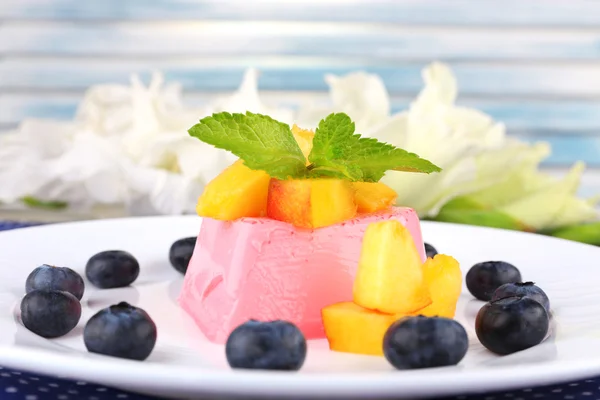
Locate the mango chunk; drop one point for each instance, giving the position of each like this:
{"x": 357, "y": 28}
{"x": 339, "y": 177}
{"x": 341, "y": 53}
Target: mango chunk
{"x": 443, "y": 276}
{"x": 311, "y": 203}
{"x": 373, "y": 196}
{"x": 390, "y": 275}
{"x": 304, "y": 138}
{"x": 351, "y": 328}
{"x": 236, "y": 192}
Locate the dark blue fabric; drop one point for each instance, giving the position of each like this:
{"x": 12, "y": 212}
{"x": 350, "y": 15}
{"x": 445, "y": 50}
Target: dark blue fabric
{"x": 20, "y": 385}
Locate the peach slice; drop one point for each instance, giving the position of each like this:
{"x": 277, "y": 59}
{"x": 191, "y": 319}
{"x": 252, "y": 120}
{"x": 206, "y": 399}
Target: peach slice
{"x": 351, "y": 328}
{"x": 311, "y": 203}
{"x": 236, "y": 192}
{"x": 443, "y": 276}
{"x": 390, "y": 275}
{"x": 373, "y": 196}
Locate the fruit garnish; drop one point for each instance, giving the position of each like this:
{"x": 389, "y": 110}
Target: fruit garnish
{"x": 373, "y": 196}
{"x": 181, "y": 252}
{"x": 236, "y": 192}
{"x": 311, "y": 203}
{"x": 511, "y": 324}
{"x": 421, "y": 342}
{"x": 444, "y": 280}
{"x": 50, "y": 313}
{"x": 304, "y": 138}
{"x": 389, "y": 277}
{"x": 523, "y": 289}
{"x": 273, "y": 345}
{"x": 337, "y": 152}
{"x": 121, "y": 330}
{"x": 354, "y": 329}
{"x": 55, "y": 278}
{"x": 112, "y": 269}
{"x": 485, "y": 277}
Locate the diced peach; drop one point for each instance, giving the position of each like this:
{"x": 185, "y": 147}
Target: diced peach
{"x": 311, "y": 203}
{"x": 390, "y": 275}
{"x": 351, "y": 328}
{"x": 443, "y": 276}
{"x": 236, "y": 192}
{"x": 304, "y": 138}
{"x": 373, "y": 196}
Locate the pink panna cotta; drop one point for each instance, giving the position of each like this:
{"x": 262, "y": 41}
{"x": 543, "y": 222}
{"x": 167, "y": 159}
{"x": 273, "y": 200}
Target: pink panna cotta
{"x": 263, "y": 269}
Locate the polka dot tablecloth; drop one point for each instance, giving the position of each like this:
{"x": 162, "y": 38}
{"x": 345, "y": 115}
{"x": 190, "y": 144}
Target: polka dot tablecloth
{"x": 21, "y": 385}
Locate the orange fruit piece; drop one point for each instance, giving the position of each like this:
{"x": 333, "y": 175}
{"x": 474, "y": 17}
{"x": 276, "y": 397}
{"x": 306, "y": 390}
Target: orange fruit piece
{"x": 311, "y": 203}
{"x": 236, "y": 192}
{"x": 444, "y": 278}
{"x": 373, "y": 196}
{"x": 390, "y": 277}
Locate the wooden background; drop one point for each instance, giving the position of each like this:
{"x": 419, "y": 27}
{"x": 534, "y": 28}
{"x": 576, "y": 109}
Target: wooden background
{"x": 533, "y": 64}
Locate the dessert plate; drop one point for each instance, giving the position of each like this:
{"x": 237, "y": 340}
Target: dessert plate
{"x": 184, "y": 364}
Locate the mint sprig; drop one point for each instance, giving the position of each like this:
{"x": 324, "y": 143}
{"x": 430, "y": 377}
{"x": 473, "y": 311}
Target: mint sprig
{"x": 337, "y": 152}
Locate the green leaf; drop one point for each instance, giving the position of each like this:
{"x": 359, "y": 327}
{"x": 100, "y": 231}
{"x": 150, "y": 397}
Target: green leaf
{"x": 262, "y": 142}
{"x": 585, "y": 233}
{"x": 462, "y": 210}
{"x": 47, "y": 205}
{"x": 338, "y": 152}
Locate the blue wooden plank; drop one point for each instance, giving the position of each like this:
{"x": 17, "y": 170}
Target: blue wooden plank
{"x": 560, "y": 80}
{"x": 296, "y": 39}
{"x": 518, "y": 115}
{"x": 568, "y": 149}
{"x": 576, "y": 13}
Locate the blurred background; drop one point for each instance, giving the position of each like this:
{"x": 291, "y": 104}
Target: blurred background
{"x": 533, "y": 65}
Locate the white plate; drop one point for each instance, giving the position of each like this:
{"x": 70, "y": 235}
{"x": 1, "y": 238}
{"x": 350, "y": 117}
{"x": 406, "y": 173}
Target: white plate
{"x": 185, "y": 364}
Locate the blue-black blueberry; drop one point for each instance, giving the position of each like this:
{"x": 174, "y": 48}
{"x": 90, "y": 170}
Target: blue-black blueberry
{"x": 181, "y": 252}
{"x": 273, "y": 345}
{"x": 55, "y": 278}
{"x": 511, "y": 324}
{"x": 50, "y": 313}
{"x": 484, "y": 278}
{"x": 430, "y": 251}
{"x": 523, "y": 289}
{"x": 112, "y": 269}
{"x": 424, "y": 342}
{"x": 121, "y": 330}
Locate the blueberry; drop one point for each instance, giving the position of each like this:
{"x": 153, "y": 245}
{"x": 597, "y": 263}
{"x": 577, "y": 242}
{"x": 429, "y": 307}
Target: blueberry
{"x": 112, "y": 269}
{"x": 55, "y": 278}
{"x": 511, "y": 324}
{"x": 523, "y": 289}
{"x": 181, "y": 252}
{"x": 484, "y": 278}
{"x": 122, "y": 331}
{"x": 275, "y": 345}
{"x": 422, "y": 342}
{"x": 430, "y": 251}
{"x": 50, "y": 313}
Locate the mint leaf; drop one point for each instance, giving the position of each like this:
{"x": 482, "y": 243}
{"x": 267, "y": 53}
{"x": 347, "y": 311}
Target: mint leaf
{"x": 262, "y": 142}
{"x": 338, "y": 152}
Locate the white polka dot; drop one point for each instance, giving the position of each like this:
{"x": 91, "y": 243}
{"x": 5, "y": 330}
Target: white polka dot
{"x": 34, "y": 378}
{"x": 81, "y": 383}
{"x": 54, "y": 385}
{"x": 93, "y": 398}
{"x": 124, "y": 396}
{"x": 573, "y": 384}
{"x": 31, "y": 397}
{"x": 63, "y": 397}
{"x": 527, "y": 390}
{"x": 23, "y": 382}
{"x": 101, "y": 389}
{"x": 587, "y": 393}
{"x": 11, "y": 389}
{"x": 43, "y": 389}
{"x": 72, "y": 391}
{"x": 5, "y": 374}
{"x": 589, "y": 381}
{"x": 16, "y": 373}
{"x": 568, "y": 397}
{"x": 557, "y": 391}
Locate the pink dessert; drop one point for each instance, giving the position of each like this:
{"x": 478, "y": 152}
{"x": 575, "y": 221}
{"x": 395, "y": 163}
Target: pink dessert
{"x": 263, "y": 269}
